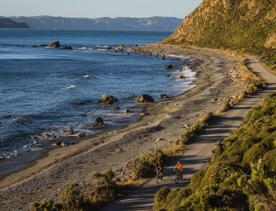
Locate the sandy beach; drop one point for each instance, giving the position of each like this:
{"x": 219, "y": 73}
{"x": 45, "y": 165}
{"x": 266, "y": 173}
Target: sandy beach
{"x": 162, "y": 121}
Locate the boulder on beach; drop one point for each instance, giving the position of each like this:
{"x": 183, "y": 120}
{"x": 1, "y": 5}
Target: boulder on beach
{"x": 144, "y": 99}
{"x": 99, "y": 122}
{"x": 82, "y": 134}
{"x": 45, "y": 136}
{"x": 108, "y": 99}
{"x": 69, "y": 131}
{"x": 54, "y": 45}
{"x": 163, "y": 96}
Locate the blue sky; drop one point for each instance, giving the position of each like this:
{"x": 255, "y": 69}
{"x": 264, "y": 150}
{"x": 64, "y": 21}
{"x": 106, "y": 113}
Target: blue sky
{"x": 98, "y": 8}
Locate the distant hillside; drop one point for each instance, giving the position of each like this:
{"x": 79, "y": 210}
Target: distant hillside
{"x": 8, "y": 23}
{"x": 124, "y": 24}
{"x": 248, "y": 25}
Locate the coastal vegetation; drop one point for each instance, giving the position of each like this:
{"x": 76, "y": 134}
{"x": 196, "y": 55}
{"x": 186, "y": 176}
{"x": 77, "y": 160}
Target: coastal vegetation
{"x": 241, "y": 175}
{"x": 102, "y": 189}
{"x": 247, "y": 26}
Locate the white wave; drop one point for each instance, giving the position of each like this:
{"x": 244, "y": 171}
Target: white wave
{"x": 83, "y": 48}
{"x": 71, "y": 87}
{"x": 86, "y": 76}
{"x": 172, "y": 56}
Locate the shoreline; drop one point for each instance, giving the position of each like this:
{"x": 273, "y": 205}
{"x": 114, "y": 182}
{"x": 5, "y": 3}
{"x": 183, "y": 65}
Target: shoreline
{"x": 26, "y": 160}
{"x": 164, "y": 119}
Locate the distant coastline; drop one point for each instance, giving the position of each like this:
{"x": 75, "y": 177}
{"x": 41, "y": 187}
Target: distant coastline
{"x": 102, "y": 24}
{"x": 6, "y": 23}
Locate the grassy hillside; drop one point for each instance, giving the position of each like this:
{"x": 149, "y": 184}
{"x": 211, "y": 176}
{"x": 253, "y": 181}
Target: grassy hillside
{"x": 244, "y": 25}
{"x": 242, "y": 174}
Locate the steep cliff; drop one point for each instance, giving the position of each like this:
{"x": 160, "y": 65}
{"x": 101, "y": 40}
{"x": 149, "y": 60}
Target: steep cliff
{"x": 246, "y": 25}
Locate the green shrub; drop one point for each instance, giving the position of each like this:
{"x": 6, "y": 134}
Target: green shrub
{"x": 160, "y": 197}
{"x": 102, "y": 189}
{"x": 257, "y": 151}
{"x": 143, "y": 167}
{"x": 72, "y": 198}
{"x": 45, "y": 205}
{"x": 268, "y": 163}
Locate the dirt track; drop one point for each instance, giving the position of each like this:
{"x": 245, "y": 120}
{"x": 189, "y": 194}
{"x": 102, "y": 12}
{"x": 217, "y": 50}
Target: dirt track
{"x": 198, "y": 154}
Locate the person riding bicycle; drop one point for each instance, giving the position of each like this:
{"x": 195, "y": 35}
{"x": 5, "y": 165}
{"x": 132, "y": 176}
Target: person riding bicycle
{"x": 179, "y": 169}
{"x": 159, "y": 170}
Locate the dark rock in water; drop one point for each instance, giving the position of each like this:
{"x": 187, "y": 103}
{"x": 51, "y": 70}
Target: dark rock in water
{"x": 127, "y": 111}
{"x": 82, "y": 134}
{"x": 54, "y": 45}
{"x": 182, "y": 77}
{"x": 99, "y": 122}
{"x": 108, "y": 99}
{"x": 169, "y": 66}
{"x": 116, "y": 108}
{"x": 39, "y": 46}
{"x": 69, "y": 131}
{"x": 163, "y": 96}
{"x": 144, "y": 99}
{"x": 67, "y": 47}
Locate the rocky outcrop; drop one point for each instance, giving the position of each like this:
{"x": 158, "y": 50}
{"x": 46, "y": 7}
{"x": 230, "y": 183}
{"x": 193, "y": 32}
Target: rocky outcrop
{"x": 55, "y": 45}
{"x": 163, "y": 96}
{"x": 69, "y": 131}
{"x": 108, "y": 99}
{"x": 99, "y": 122}
{"x": 144, "y": 99}
{"x": 169, "y": 66}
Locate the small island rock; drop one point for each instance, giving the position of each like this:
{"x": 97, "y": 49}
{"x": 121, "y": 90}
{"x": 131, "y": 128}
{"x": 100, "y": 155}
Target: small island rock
{"x": 108, "y": 99}
{"x": 144, "y": 99}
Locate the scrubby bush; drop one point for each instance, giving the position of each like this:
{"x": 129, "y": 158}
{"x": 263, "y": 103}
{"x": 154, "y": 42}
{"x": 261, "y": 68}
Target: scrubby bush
{"x": 45, "y": 205}
{"x": 103, "y": 188}
{"x": 72, "y": 198}
{"x": 143, "y": 167}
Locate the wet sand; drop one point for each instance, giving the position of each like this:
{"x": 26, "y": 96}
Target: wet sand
{"x": 165, "y": 119}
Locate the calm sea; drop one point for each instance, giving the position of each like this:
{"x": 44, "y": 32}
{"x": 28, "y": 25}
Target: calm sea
{"x": 45, "y": 90}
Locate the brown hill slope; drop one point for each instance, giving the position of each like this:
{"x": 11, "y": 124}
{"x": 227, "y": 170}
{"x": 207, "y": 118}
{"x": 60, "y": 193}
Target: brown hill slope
{"x": 245, "y": 25}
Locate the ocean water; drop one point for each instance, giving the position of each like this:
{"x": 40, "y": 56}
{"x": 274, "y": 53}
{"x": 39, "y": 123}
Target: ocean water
{"x": 45, "y": 90}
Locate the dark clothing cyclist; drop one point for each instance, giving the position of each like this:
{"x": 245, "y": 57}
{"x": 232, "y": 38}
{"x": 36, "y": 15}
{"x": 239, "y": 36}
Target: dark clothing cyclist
{"x": 159, "y": 168}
